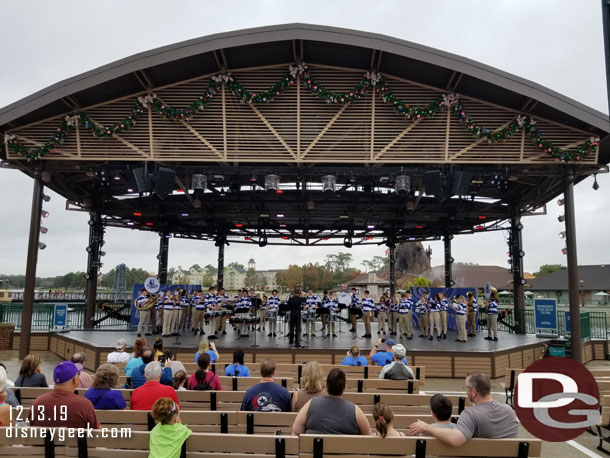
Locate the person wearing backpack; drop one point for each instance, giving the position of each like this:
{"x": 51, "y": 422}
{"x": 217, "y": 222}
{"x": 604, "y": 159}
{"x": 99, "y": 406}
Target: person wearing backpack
{"x": 204, "y": 379}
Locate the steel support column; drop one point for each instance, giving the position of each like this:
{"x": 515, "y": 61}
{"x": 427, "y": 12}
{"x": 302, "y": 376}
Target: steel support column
{"x": 573, "y": 292}
{"x": 448, "y": 261}
{"x": 96, "y": 235}
{"x": 220, "y": 242}
{"x": 30, "y": 270}
{"x": 516, "y": 250}
{"x": 392, "y": 249}
{"x": 162, "y": 257}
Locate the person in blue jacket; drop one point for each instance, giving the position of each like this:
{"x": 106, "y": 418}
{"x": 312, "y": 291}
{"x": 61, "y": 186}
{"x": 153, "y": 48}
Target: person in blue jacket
{"x": 381, "y": 358}
{"x": 237, "y": 369}
{"x": 137, "y": 375}
{"x": 354, "y": 358}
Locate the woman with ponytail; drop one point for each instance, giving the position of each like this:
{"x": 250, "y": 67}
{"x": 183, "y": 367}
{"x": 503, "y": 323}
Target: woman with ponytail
{"x": 204, "y": 379}
{"x": 167, "y": 437}
{"x": 383, "y": 421}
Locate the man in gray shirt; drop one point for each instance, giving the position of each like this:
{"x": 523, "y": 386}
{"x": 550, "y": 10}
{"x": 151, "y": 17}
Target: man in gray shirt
{"x": 487, "y": 418}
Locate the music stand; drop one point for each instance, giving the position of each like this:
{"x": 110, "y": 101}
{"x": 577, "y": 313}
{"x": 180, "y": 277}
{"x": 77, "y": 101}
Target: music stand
{"x": 254, "y": 345}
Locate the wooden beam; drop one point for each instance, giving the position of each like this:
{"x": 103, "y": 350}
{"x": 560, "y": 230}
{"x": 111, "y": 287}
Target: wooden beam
{"x": 272, "y": 130}
{"x": 202, "y": 139}
{"x": 396, "y": 139}
{"x": 324, "y": 130}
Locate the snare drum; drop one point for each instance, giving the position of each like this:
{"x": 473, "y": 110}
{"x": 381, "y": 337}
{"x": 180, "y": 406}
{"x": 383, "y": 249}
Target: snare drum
{"x": 310, "y": 314}
{"x": 331, "y": 317}
{"x": 211, "y": 314}
{"x": 272, "y": 315}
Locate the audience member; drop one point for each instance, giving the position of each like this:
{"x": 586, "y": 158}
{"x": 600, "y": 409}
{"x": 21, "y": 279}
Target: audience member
{"x": 119, "y": 355}
{"x": 397, "y": 370}
{"x": 441, "y": 409}
{"x": 267, "y": 396}
{"x": 354, "y": 358}
{"x": 175, "y": 366}
{"x": 70, "y": 410}
{"x": 204, "y": 379}
{"x": 144, "y": 397}
{"x": 84, "y": 379}
{"x": 312, "y": 385}
{"x": 158, "y": 347}
{"x": 11, "y": 400}
{"x": 136, "y": 356}
{"x": 330, "y": 414}
{"x": 209, "y": 348}
{"x": 381, "y": 358}
{"x": 137, "y": 375}
{"x": 237, "y": 369}
{"x": 168, "y": 435}
{"x": 487, "y": 418}
{"x": 5, "y": 407}
{"x": 101, "y": 394}
{"x": 383, "y": 416}
{"x": 179, "y": 379}
{"x": 30, "y": 373}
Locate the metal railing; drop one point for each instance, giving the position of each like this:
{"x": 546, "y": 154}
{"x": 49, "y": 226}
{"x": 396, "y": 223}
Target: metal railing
{"x": 63, "y": 296}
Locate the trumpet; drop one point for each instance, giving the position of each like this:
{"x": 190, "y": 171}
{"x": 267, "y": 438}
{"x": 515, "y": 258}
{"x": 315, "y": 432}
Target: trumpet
{"x": 149, "y": 304}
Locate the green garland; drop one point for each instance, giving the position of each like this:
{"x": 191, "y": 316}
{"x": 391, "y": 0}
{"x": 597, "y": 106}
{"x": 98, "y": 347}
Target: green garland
{"x": 451, "y": 101}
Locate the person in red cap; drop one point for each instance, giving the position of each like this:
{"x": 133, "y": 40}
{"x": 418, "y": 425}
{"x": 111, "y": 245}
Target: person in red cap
{"x": 61, "y": 407}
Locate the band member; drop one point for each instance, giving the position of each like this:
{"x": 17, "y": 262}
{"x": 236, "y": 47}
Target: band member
{"x": 198, "y": 314}
{"x": 492, "y": 316}
{"x": 168, "y": 314}
{"x": 368, "y": 310}
{"x": 256, "y": 305}
{"x": 405, "y": 315}
{"x": 311, "y": 304}
{"x": 177, "y": 315}
{"x": 393, "y": 315}
{"x": 323, "y": 309}
{"x": 245, "y": 307}
{"x": 422, "y": 314}
{"x": 295, "y": 305}
{"x": 273, "y": 306}
{"x": 382, "y": 314}
{"x": 263, "y": 313}
{"x": 460, "y": 318}
{"x": 222, "y": 304}
{"x": 210, "y": 309}
{"x": 444, "y": 312}
{"x": 332, "y": 305}
{"x": 144, "y": 314}
{"x": 472, "y": 308}
{"x": 354, "y": 311}
{"x": 185, "y": 313}
{"x": 159, "y": 314}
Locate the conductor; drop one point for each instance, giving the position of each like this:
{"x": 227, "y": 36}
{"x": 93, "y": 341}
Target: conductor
{"x": 295, "y": 304}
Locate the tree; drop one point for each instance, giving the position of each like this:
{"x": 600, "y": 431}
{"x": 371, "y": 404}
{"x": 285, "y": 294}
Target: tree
{"x": 379, "y": 262}
{"x": 420, "y": 282}
{"x": 368, "y": 265}
{"x": 549, "y": 269}
{"x": 344, "y": 260}
{"x": 237, "y": 266}
{"x": 251, "y": 278}
{"x": 291, "y": 278}
{"x": 195, "y": 267}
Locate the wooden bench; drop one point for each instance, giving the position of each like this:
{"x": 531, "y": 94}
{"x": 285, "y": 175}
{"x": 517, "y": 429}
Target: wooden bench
{"x": 318, "y": 446}
{"x": 403, "y": 403}
{"x": 510, "y": 381}
{"x": 382, "y": 386}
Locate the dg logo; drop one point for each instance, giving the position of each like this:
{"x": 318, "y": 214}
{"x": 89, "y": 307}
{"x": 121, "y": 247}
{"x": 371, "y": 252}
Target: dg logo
{"x": 557, "y": 399}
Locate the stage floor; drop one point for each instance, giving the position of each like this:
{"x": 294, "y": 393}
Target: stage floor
{"x": 343, "y": 341}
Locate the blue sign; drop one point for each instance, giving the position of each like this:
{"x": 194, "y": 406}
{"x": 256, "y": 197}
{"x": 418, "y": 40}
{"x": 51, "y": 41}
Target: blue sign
{"x": 60, "y": 315}
{"x": 545, "y": 314}
{"x": 135, "y": 318}
{"x": 568, "y": 322}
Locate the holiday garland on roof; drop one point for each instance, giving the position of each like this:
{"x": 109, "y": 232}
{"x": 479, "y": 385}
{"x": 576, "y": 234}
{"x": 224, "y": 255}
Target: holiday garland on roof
{"x": 370, "y": 80}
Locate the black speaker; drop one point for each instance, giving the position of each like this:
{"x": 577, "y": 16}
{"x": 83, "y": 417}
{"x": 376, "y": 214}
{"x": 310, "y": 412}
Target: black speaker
{"x": 433, "y": 183}
{"x": 140, "y": 180}
{"x": 164, "y": 181}
{"x": 461, "y": 183}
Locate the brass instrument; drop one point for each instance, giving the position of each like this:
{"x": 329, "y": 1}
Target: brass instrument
{"x": 149, "y": 304}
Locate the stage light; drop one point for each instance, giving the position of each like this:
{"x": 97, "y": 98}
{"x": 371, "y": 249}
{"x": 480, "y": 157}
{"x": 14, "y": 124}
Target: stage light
{"x": 239, "y": 225}
{"x": 262, "y": 241}
{"x": 282, "y": 225}
{"x": 521, "y": 253}
{"x": 129, "y": 190}
{"x": 279, "y": 215}
{"x": 347, "y": 242}
{"x": 522, "y": 281}
{"x": 595, "y": 183}
{"x": 46, "y": 198}
{"x": 184, "y": 214}
{"x": 117, "y": 178}
{"x": 519, "y": 227}
{"x": 45, "y": 214}
{"x": 149, "y": 224}
{"x": 129, "y": 223}
{"x": 279, "y": 191}
{"x": 564, "y": 251}
{"x": 285, "y": 237}
{"x": 329, "y": 183}
{"x": 482, "y": 217}
{"x": 451, "y": 283}
{"x": 271, "y": 182}
{"x": 451, "y": 260}
{"x": 479, "y": 227}
{"x": 41, "y": 245}
{"x": 199, "y": 182}
{"x": 89, "y": 249}
{"x": 402, "y": 184}
{"x": 137, "y": 214}
{"x": 561, "y": 218}
{"x": 419, "y": 227}
{"x": 253, "y": 177}
{"x": 87, "y": 277}
{"x": 412, "y": 239}
{"x": 168, "y": 236}
{"x": 562, "y": 235}
{"x": 560, "y": 202}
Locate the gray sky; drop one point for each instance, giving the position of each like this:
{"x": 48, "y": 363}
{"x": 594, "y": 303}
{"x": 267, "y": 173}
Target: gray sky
{"x": 556, "y": 43}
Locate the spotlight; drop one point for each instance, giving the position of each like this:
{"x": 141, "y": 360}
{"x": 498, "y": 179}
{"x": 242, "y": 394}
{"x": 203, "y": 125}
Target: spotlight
{"x": 519, "y": 227}
{"x": 87, "y": 277}
{"x": 564, "y": 251}
{"x": 561, "y": 218}
{"x": 199, "y": 182}
{"x": 451, "y": 283}
{"x": 329, "y": 183}
{"x": 253, "y": 178}
{"x": 129, "y": 189}
{"x": 522, "y": 281}
{"x": 159, "y": 257}
{"x": 89, "y": 249}
{"x": 451, "y": 260}
{"x": 117, "y": 177}
{"x": 271, "y": 182}
{"x": 45, "y": 214}
{"x": 370, "y": 226}
{"x": 262, "y": 241}
{"x": 560, "y": 202}
{"x": 42, "y": 246}
{"x": 595, "y": 183}
{"x": 43, "y": 230}
{"x": 46, "y": 198}
{"x": 347, "y": 242}
{"x": 402, "y": 184}
{"x": 562, "y": 235}
{"x": 521, "y": 253}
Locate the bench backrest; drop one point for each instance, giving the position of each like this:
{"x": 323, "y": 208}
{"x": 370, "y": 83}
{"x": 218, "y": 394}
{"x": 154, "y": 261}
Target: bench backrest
{"x": 510, "y": 378}
{"x": 392, "y": 386}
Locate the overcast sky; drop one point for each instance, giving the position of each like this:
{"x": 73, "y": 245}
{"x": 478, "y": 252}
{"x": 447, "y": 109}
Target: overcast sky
{"x": 556, "y": 43}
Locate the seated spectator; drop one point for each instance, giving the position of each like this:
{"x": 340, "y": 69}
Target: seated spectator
{"x": 267, "y": 396}
{"x": 11, "y": 400}
{"x": 381, "y": 358}
{"x": 354, "y": 358}
{"x": 84, "y": 379}
{"x": 383, "y": 416}
{"x": 209, "y": 348}
{"x": 136, "y": 357}
{"x": 119, "y": 355}
{"x": 330, "y": 414}
{"x": 30, "y": 373}
{"x": 168, "y": 435}
{"x": 175, "y": 366}
{"x": 70, "y": 410}
{"x": 179, "y": 379}
{"x": 158, "y": 347}
{"x": 5, "y": 408}
{"x": 137, "y": 375}
{"x": 487, "y": 418}
{"x": 101, "y": 394}
{"x": 204, "y": 379}
{"x": 397, "y": 370}
{"x": 144, "y": 397}
{"x": 312, "y": 385}
{"x": 441, "y": 409}
{"x": 237, "y": 369}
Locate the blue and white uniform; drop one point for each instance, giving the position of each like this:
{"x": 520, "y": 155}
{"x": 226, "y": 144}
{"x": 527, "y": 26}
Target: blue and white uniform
{"x": 368, "y": 304}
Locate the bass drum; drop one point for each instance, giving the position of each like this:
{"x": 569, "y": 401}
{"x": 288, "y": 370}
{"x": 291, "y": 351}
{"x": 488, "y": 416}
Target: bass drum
{"x": 344, "y": 300}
